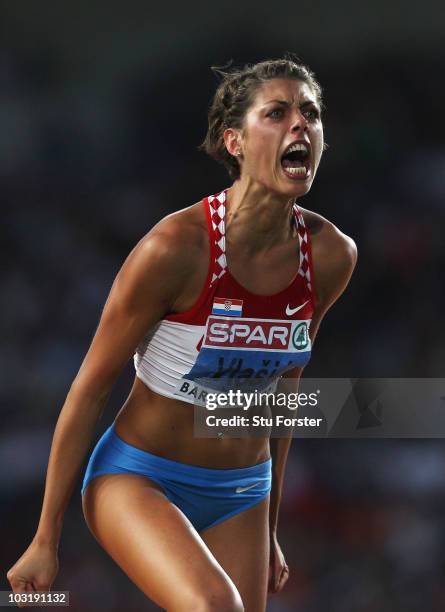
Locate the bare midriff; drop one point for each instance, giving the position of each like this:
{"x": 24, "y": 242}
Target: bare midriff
{"x": 165, "y": 427}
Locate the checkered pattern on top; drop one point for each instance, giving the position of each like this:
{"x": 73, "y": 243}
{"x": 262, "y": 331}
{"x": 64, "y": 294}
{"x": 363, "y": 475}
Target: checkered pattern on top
{"x": 217, "y": 206}
{"x": 304, "y": 270}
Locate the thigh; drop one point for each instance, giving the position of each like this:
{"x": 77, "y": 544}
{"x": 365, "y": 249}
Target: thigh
{"x": 241, "y": 546}
{"x": 155, "y": 544}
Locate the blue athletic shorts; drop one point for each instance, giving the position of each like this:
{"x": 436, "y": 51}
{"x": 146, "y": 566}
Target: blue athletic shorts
{"x": 206, "y": 496}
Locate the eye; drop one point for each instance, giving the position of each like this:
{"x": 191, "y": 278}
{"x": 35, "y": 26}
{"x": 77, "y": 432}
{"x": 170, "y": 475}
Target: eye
{"x": 276, "y": 113}
{"x": 312, "y": 113}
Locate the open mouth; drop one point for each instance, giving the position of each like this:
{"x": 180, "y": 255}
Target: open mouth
{"x": 296, "y": 161}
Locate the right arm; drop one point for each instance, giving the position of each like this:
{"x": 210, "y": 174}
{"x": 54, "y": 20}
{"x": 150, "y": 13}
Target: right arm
{"x": 146, "y": 287}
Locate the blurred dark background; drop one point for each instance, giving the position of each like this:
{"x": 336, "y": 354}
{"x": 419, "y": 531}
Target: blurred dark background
{"x": 102, "y": 108}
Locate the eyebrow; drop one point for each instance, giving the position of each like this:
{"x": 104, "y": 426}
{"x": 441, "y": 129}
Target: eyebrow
{"x": 286, "y": 103}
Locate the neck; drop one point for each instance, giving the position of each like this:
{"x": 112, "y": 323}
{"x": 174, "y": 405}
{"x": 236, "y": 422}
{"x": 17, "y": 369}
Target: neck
{"x": 256, "y": 217}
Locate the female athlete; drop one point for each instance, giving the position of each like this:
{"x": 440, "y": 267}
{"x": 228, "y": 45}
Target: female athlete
{"x": 212, "y": 293}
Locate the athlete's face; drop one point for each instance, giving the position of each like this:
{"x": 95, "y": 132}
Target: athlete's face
{"x": 281, "y": 141}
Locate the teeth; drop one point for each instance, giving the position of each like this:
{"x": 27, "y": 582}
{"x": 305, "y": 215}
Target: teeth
{"x": 298, "y": 146}
{"x": 299, "y": 170}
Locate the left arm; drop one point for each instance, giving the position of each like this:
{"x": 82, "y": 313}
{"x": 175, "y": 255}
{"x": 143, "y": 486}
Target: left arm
{"x": 334, "y": 257}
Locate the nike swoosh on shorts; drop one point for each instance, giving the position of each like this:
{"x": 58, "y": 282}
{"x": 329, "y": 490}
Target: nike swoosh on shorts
{"x": 242, "y": 489}
{"x": 290, "y": 311}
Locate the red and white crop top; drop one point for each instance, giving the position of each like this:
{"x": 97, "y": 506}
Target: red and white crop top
{"x": 230, "y": 335}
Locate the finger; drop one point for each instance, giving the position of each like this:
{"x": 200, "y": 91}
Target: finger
{"x": 283, "y": 579}
{"x": 18, "y": 586}
{"x": 21, "y": 586}
{"x": 278, "y": 568}
{"x": 28, "y": 588}
{"x": 273, "y": 584}
{"x": 281, "y": 575}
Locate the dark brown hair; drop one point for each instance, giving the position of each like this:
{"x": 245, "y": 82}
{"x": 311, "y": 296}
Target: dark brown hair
{"x": 235, "y": 94}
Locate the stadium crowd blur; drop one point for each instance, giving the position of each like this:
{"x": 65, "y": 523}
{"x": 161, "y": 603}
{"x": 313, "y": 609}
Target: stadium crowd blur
{"x": 86, "y": 171}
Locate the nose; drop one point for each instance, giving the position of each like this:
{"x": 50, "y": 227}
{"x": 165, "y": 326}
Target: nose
{"x": 299, "y": 121}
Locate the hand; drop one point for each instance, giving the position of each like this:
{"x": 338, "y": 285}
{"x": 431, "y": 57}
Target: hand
{"x": 35, "y": 570}
{"x": 278, "y": 568}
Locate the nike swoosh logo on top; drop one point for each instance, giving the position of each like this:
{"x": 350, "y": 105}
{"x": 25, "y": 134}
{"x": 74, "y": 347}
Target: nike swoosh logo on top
{"x": 242, "y": 489}
{"x": 290, "y": 311}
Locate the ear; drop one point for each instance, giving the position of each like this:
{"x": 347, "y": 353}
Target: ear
{"x": 232, "y": 140}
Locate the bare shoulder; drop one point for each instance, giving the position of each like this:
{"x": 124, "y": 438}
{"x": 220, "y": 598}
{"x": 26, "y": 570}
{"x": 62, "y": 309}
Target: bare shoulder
{"x": 334, "y": 256}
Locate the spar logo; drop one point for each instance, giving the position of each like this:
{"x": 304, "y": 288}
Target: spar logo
{"x": 248, "y": 333}
{"x": 300, "y": 336}
{"x": 256, "y": 334}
